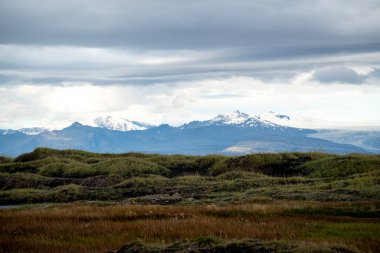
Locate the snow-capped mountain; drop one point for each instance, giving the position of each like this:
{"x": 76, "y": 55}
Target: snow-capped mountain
{"x": 235, "y": 118}
{"x": 120, "y": 124}
{"x": 27, "y": 131}
{"x": 233, "y": 133}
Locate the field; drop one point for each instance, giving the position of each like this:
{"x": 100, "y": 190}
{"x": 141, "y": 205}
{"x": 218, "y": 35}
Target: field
{"x": 101, "y": 228}
{"x": 75, "y": 201}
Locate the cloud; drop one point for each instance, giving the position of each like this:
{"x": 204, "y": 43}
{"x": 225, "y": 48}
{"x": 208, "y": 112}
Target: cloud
{"x": 338, "y": 74}
{"x": 151, "y": 41}
{"x": 267, "y": 26}
{"x": 59, "y": 64}
{"x": 56, "y": 65}
{"x": 375, "y": 74}
{"x": 177, "y": 103}
{"x": 84, "y": 57}
{"x": 172, "y": 61}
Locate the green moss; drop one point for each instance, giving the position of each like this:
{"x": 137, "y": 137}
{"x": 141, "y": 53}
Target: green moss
{"x": 19, "y": 196}
{"x": 207, "y": 179}
{"x": 65, "y": 168}
{"x": 65, "y": 193}
{"x": 4, "y": 159}
{"x": 281, "y": 164}
{"x": 140, "y": 186}
{"x": 18, "y": 167}
{"x": 231, "y": 175}
{"x": 341, "y": 166}
{"x": 365, "y": 210}
{"x": 130, "y": 167}
{"x": 41, "y": 153}
{"x": 24, "y": 180}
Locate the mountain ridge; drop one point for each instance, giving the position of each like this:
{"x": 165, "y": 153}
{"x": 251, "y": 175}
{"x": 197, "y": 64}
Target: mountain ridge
{"x": 233, "y": 134}
{"x": 267, "y": 119}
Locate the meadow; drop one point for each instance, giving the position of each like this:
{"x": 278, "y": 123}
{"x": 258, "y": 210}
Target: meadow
{"x": 95, "y": 227}
{"x": 75, "y": 201}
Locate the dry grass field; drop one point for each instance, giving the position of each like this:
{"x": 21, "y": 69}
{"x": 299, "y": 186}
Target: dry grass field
{"x": 84, "y": 227}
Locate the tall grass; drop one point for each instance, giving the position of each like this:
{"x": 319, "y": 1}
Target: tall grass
{"x": 97, "y": 228}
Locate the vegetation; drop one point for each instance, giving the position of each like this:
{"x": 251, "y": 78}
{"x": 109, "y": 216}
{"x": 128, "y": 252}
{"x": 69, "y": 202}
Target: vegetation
{"x": 297, "y": 226}
{"x": 173, "y": 201}
{"x": 47, "y": 175}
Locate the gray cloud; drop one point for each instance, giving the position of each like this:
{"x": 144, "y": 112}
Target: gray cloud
{"x": 68, "y": 60}
{"x": 151, "y": 41}
{"x": 375, "y": 73}
{"x": 323, "y": 25}
{"x": 338, "y": 74}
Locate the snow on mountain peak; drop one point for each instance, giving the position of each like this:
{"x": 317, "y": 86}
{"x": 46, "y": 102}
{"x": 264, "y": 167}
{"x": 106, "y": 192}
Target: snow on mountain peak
{"x": 120, "y": 124}
{"x": 34, "y": 130}
{"x": 27, "y": 131}
{"x": 236, "y": 117}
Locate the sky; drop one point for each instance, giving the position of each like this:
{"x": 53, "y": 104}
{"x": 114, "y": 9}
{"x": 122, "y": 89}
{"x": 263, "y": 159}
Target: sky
{"x": 173, "y": 61}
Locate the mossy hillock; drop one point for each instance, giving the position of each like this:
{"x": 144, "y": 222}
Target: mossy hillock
{"x": 68, "y": 175}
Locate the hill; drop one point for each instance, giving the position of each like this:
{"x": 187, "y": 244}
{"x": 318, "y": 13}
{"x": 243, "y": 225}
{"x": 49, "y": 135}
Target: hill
{"x": 47, "y": 175}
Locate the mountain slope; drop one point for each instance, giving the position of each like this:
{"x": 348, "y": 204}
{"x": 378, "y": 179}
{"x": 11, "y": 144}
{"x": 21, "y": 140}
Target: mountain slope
{"x": 368, "y": 140}
{"x": 236, "y": 133}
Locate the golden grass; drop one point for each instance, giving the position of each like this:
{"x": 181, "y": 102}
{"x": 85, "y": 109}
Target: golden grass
{"x": 94, "y": 228}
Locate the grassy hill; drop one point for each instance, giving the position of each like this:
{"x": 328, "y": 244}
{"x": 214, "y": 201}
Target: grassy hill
{"x": 47, "y": 175}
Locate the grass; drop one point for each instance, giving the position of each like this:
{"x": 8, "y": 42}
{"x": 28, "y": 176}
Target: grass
{"x": 4, "y": 159}
{"x": 291, "y": 202}
{"x": 101, "y": 228}
{"x": 368, "y": 210}
{"x": 198, "y": 179}
{"x": 340, "y": 166}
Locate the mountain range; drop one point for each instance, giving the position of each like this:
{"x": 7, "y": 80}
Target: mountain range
{"x": 235, "y": 133}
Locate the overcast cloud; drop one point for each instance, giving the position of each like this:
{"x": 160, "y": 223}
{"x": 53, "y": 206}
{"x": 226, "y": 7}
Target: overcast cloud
{"x": 176, "y": 60}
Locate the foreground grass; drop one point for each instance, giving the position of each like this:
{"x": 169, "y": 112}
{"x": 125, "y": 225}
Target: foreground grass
{"x": 101, "y": 228}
